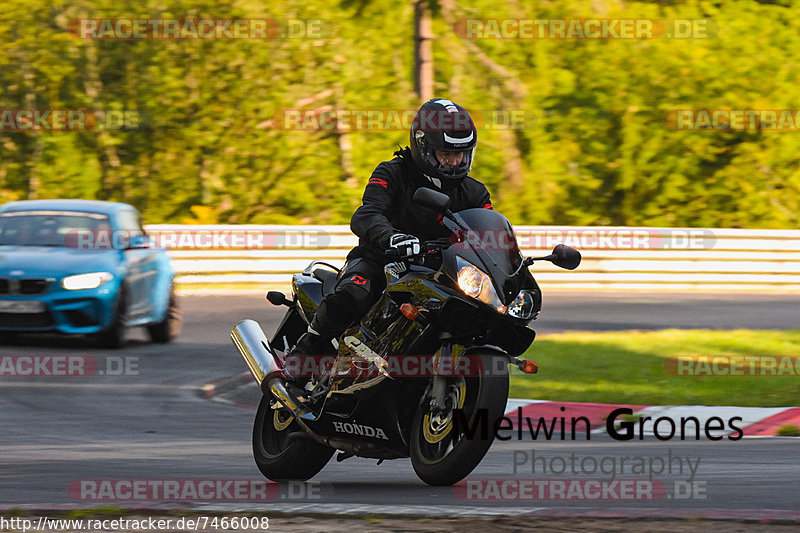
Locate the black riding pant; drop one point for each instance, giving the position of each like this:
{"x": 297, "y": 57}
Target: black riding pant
{"x": 358, "y": 287}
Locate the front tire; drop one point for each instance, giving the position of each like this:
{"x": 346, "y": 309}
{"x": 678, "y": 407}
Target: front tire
{"x": 440, "y": 455}
{"x": 280, "y": 457}
{"x": 169, "y": 328}
{"x": 114, "y": 335}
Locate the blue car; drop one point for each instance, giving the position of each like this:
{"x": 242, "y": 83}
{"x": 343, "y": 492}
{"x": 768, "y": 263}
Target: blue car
{"x": 83, "y": 267}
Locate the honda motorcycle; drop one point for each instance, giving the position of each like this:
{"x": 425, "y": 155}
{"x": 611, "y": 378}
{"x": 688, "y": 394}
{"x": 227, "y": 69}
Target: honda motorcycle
{"x": 424, "y": 374}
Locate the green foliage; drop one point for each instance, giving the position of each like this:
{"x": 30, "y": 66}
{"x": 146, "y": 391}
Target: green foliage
{"x": 595, "y": 148}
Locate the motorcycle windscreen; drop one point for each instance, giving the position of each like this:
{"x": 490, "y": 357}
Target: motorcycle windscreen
{"x": 491, "y": 245}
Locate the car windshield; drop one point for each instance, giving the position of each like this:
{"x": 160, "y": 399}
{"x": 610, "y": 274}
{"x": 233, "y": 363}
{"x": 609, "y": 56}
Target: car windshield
{"x": 47, "y": 228}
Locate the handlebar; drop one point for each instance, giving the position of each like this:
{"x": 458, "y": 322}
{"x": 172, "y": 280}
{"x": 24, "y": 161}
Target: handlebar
{"x": 426, "y": 248}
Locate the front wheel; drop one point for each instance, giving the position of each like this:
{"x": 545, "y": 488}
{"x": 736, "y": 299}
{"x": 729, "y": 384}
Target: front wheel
{"x": 169, "y": 328}
{"x": 441, "y": 455}
{"x": 113, "y": 336}
{"x": 279, "y": 456}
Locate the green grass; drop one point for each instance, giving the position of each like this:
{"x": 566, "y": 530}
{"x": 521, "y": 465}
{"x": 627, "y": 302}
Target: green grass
{"x": 789, "y": 431}
{"x": 108, "y": 510}
{"x": 628, "y": 367}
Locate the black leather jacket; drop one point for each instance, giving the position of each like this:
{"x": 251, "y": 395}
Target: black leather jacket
{"x": 388, "y": 208}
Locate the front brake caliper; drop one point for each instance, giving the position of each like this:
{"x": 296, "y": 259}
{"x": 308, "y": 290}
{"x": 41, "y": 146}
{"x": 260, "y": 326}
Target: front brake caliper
{"x": 437, "y": 425}
{"x": 440, "y": 359}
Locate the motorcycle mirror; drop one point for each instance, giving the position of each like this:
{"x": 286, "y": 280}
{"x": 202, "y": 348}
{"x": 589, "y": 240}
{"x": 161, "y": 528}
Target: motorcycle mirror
{"x": 430, "y": 199}
{"x": 278, "y": 298}
{"x": 566, "y": 257}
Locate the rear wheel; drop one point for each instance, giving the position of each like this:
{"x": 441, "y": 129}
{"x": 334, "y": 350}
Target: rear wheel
{"x": 279, "y": 456}
{"x": 441, "y": 455}
{"x": 169, "y": 328}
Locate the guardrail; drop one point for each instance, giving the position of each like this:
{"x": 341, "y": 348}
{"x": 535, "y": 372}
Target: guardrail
{"x": 618, "y": 258}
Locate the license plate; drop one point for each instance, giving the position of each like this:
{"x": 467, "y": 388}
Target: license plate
{"x": 21, "y": 306}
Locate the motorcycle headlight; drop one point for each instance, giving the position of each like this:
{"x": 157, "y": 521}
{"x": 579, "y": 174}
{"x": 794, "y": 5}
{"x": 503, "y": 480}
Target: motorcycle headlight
{"x": 522, "y": 306}
{"x": 86, "y": 281}
{"x": 476, "y": 284}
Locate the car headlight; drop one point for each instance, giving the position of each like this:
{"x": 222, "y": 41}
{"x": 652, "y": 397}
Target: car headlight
{"x": 86, "y": 281}
{"x": 476, "y": 284}
{"x": 522, "y": 306}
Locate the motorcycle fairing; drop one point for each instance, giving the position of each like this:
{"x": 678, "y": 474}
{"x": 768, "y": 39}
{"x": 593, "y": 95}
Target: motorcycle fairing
{"x": 491, "y": 245}
{"x": 388, "y": 410}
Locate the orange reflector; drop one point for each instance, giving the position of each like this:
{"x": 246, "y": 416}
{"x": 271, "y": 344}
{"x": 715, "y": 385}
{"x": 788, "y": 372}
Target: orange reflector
{"x": 529, "y": 367}
{"x": 409, "y": 311}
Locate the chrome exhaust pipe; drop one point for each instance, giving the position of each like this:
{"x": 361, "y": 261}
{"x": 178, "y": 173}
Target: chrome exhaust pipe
{"x": 265, "y": 366}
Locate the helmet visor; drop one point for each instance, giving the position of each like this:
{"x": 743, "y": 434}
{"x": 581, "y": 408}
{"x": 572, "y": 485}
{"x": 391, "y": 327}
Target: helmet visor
{"x": 451, "y": 163}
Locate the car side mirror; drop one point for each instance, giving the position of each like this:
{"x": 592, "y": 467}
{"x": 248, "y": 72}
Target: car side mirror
{"x": 433, "y": 200}
{"x": 140, "y": 241}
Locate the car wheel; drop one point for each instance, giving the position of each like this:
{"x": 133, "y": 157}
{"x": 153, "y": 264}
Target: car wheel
{"x": 170, "y": 327}
{"x": 114, "y": 335}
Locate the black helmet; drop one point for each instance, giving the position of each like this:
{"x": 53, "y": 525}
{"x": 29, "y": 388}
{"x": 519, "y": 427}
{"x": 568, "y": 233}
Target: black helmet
{"x": 447, "y": 127}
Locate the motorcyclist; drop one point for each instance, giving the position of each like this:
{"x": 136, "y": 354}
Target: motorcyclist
{"x": 440, "y": 156}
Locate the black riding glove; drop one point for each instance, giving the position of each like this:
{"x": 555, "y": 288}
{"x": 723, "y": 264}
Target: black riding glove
{"x": 405, "y": 245}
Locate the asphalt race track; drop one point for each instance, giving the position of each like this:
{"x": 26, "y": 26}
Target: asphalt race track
{"x": 143, "y": 413}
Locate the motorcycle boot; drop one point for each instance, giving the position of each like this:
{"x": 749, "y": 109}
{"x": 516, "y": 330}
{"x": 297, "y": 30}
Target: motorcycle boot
{"x": 316, "y": 341}
{"x": 297, "y": 359}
